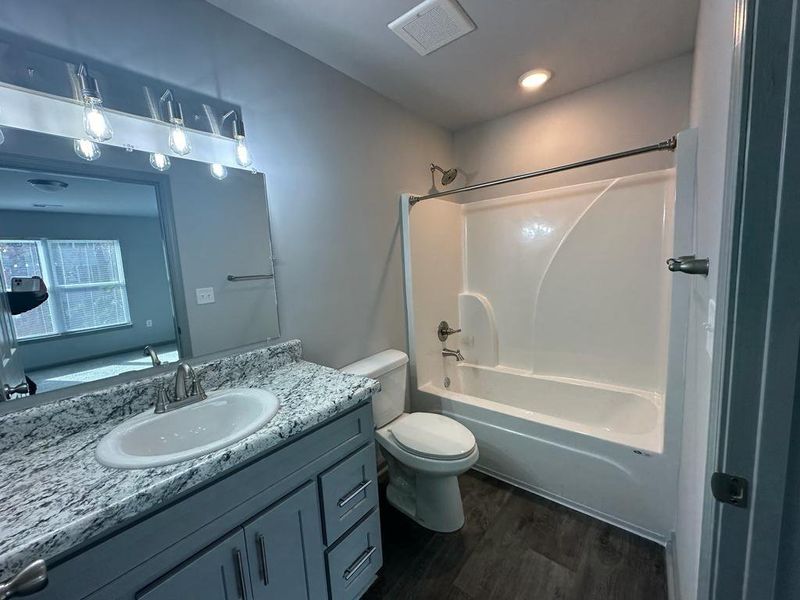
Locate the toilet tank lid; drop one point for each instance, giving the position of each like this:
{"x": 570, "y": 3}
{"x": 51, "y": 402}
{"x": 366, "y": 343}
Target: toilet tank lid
{"x": 377, "y": 364}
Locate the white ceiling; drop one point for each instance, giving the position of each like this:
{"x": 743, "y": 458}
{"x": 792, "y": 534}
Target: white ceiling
{"x": 474, "y": 78}
{"x": 84, "y": 195}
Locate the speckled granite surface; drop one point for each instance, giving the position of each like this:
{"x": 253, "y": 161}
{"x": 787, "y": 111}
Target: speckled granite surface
{"x": 55, "y": 495}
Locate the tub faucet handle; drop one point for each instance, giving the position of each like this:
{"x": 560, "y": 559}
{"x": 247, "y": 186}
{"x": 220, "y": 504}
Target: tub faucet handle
{"x": 444, "y": 330}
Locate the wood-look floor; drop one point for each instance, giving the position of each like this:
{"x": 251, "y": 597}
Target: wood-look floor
{"x": 515, "y": 545}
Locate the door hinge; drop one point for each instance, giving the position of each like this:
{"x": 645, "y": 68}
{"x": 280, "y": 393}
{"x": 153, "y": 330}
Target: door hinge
{"x": 730, "y": 489}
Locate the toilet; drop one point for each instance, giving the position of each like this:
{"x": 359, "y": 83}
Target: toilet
{"x": 425, "y": 452}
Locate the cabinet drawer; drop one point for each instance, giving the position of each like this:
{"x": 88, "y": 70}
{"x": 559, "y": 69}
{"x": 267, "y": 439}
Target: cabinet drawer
{"x": 349, "y": 491}
{"x": 354, "y": 561}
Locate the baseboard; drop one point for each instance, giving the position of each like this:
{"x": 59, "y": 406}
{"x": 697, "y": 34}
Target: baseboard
{"x": 673, "y": 589}
{"x": 587, "y": 510}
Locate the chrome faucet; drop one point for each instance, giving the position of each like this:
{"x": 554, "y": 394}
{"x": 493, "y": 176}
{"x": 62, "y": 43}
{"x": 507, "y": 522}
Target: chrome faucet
{"x": 184, "y": 395}
{"x": 151, "y": 352}
{"x": 455, "y": 353}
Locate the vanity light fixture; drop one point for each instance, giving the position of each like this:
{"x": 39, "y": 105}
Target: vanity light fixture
{"x": 95, "y": 121}
{"x": 218, "y": 171}
{"x": 86, "y": 149}
{"x": 243, "y": 157}
{"x": 160, "y": 162}
{"x": 178, "y": 139}
{"x": 532, "y": 80}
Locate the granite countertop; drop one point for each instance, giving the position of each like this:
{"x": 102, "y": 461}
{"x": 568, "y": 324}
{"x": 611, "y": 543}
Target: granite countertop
{"x": 54, "y": 494}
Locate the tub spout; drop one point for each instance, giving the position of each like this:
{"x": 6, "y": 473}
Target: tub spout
{"x": 454, "y": 353}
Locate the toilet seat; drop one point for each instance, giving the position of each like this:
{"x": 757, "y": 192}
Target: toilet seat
{"x": 432, "y": 436}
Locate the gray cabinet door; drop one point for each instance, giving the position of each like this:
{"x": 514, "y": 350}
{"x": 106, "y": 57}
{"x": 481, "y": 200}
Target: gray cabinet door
{"x": 285, "y": 549}
{"x": 217, "y": 573}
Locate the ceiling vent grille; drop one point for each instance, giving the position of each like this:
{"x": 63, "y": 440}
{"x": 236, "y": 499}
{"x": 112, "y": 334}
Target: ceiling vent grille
{"x": 432, "y": 24}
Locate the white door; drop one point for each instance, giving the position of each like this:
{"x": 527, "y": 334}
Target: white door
{"x": 11, "y": 369}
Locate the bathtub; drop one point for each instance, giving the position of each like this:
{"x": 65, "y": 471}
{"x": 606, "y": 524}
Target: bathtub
{"x": 616, "y": 414}
{"x": 596, "y": 448}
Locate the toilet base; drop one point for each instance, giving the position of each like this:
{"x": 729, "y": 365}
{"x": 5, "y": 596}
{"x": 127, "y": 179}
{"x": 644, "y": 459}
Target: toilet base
{"x": 433, "y": 501}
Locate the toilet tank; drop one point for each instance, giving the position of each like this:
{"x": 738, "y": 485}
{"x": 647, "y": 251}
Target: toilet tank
{"x": 389, "y": 367}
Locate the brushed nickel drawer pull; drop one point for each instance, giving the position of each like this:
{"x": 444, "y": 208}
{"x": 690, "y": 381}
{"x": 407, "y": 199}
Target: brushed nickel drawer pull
{"x": 353, "y": 494}
{"x": 262, "y": 551}
{"x": 360, "y": 561}
{"x": 239, "y": 574}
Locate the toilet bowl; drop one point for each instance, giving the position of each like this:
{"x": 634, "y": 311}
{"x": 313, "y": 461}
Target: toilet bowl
{"x": 425, "y": 452}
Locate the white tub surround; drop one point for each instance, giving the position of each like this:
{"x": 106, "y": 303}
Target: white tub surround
{"x": 571, "y": 345}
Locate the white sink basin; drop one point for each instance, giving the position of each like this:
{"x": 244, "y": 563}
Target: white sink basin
{"x": 151, "y": 440}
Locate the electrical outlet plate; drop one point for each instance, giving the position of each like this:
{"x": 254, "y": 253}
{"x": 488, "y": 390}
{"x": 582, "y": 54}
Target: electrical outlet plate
{"x": 205, "y": 295}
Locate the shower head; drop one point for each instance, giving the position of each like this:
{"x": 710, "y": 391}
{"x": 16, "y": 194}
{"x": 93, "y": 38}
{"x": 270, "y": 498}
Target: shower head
{"x": 447, "y": 176}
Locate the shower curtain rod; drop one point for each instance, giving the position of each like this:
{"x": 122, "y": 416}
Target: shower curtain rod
{"x": 669, "y": 144}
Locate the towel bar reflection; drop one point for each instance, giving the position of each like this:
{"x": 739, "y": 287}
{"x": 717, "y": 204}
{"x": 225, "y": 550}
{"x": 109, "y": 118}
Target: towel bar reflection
{"x": 249, "y": 277}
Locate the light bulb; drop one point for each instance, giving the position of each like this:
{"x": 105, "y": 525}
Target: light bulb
{"x": 242, "y": 153}
{"x": 178, "y": 140}
{"x": 87, "y": 149}
{"x": 160, "y": 162}
{"x": 218, "y": 171}
{"x": 95, "y": 121}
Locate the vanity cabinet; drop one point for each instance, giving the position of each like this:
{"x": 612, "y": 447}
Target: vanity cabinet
{"x": 300, "y": 522}
{"x": 264, "y": 560}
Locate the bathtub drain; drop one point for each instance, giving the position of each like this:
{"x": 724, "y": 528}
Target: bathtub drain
{"x": 446, "y": 382}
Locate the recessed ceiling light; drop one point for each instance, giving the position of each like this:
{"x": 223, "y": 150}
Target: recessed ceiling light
{"x": 535, "y": 79}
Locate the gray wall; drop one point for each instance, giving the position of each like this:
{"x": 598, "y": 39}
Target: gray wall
{"x": 335, "y": 153}
{"x": 223, "y": 229}
{"x": 640, "y": 108}
{"x": 149, "y": 294}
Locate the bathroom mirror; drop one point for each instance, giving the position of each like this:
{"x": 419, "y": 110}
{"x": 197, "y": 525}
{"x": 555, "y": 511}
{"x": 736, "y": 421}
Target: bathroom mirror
{"x": 178, "y": 260}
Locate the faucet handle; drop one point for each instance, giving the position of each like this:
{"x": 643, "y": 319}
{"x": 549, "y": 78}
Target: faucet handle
{"x": 444, "y": 330}
{"x": 197, "y": 388}
{"x": 162, "y": 399}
